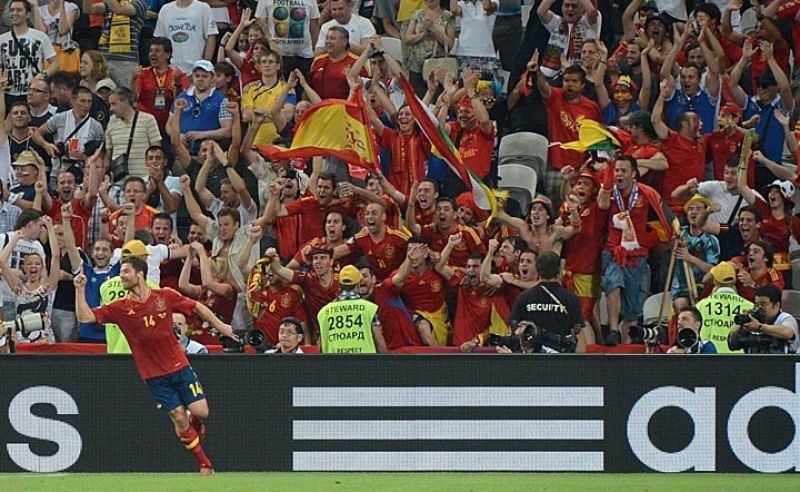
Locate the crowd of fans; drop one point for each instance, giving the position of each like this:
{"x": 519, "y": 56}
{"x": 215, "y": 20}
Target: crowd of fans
{"x": 130, "y": 128}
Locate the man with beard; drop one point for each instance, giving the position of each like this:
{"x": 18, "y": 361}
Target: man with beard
{"x": 332, "y": 237}
{"x": 479, "y": 311}
{"x": 511, "y": 284}
{"x": 757, "y": 271}
{"x": 320, "y": 284}
{"x": 685, "y": 148}
{"x": 624, "y": 258}
{"x": 384, "y": 247}
{"x": 631, "y": 51}
{"x": 538, "y": 229}
{"x": 399, "y": 329}
{"x": 423, "y": 290}
{"x": 566, "y": 107}
{"x": 581, "y": 273}
{"x": 81, "y": 207}
{"x": 697, "y": 248}
{"x": 438, "y": 233}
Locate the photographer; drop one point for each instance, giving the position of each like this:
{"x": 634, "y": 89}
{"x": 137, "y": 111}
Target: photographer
{"x": 550, "y": 307}
{"x": 766, "y": 329}
{"x": 181, "y": 328}
{"x": 290, "y": 336}
{"x": 689, "y": 322}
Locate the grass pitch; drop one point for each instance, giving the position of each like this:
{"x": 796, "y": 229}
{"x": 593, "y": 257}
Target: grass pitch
{"x": 378, "y": 482}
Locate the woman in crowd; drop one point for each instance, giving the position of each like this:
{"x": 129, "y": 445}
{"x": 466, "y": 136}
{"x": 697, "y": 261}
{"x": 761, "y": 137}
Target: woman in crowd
{"x": 431, "y": 33}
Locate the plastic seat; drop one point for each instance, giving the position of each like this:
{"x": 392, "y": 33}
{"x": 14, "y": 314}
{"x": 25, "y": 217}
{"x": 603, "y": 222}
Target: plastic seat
{"x": 791, "y": 302}
{"x": 650, "y": 309}
{"x": 518, "y": 177}
{"x": 523, "y": 147}
{"x": 393, "y": 47}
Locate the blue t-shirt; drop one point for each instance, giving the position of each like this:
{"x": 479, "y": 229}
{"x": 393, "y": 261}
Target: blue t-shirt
{"x": 702, "y": 104}
{"x": 90, "y": 331}
{"x": 611, "y": 113}
{"x": 706, "y": 247}
{"x": 770, "y": 132}
{"x": 202, "y": 116}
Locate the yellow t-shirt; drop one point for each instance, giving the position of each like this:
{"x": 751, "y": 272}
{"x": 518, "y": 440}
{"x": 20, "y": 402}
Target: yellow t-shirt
{"x": 257, "y": 95}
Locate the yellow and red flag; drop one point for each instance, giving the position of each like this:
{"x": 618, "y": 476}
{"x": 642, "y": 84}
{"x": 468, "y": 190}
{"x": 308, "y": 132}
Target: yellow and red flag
{"x": 333, "y": 127}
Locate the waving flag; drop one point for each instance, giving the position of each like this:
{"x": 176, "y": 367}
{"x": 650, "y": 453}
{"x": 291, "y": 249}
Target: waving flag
{"x": 333, "y": 127}
{"x": 444, "y": 149}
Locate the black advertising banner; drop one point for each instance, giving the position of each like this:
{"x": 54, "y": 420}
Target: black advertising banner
{"x": 588, "y": 413}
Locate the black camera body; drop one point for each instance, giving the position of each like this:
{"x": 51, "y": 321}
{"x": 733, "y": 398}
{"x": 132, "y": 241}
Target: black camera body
{"x": 756, "y": 343}
{"x": 756, "y": 312}
{"x": 535, "y": 337}
{"x": 649, "y": 334}
{"x": 253, "y": 338}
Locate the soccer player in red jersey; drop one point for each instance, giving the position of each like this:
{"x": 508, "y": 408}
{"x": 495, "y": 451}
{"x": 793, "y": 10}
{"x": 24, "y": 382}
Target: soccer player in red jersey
{"x": 320, "y": 284}
{"x": 478, "y": 311}
{"x": 145, "y": 317}
{"x": 423, "y": 290}
{"x": 384, "y": 247}
{"x": 438, "y": 233}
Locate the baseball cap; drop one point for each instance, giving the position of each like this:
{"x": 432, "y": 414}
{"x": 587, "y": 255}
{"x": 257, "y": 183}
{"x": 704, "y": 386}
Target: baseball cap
{"x": 724, "y": 273}
{"x": 105, "y": 84}
{"x": 135, "y": 248}
{"x": 203, "y": 65}
{"x": 26, "y": 158}
{"x": 785, "y": 187}
{"x": 349, "y": 275}
{"x": 696, "y": 198}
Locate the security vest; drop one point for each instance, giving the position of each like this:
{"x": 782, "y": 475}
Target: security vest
{"x": 718, "y": 311}
{"x": 345, "y": 327}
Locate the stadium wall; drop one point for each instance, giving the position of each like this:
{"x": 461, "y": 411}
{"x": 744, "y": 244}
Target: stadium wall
{"x": 407, "y": 413}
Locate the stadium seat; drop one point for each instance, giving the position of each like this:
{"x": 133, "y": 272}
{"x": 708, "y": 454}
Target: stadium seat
{"x": 651, "y": 305}
{"x": 393, "y": 47}
{"x": 791, "y": 302}
{"x": 526, "y": 148}
{"x": 520, "y": 181}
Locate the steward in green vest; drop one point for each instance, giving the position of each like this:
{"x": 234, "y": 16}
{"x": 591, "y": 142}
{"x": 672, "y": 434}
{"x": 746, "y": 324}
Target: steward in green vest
{"x": 349, "y": 324}
{"x": 721, "y": 307}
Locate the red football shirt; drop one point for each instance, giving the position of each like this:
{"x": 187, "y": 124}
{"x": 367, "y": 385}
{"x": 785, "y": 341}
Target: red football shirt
{"x": 317, "y": 295}
{"x": 720, "y": 147}
{"x": 474, "y": 146}
{"x": 776, "y": 231}
{"x": 79, "y": 221}
{"x": 562, "y": 121}
{"x": 408, "y": 155}
{"x": 638, "y": 213}
{"x": 770, "y": 276}
{"x": 329, "y": 78}
{"x": 276, "y": 305}
{"x": 424, "y": 292}
{"x": 313, "y": 213}
{"x": 583, "y": 249}
{"x": 654, "y": 179}
{"x": 470, "y": 243}
{"x": 303, "y": 259}
{"x": 143, "y": 220}
{"x": 421, "y": 217}
{"x": 386, "y": 255}
{"x": 147, "y": 325}
{"x": 249, "y": 71}
{"x": 397, "y": 326}
{"x": 687, "y": 159}
{"x": 151, "y": 83}
{"x": 474, "y": 310}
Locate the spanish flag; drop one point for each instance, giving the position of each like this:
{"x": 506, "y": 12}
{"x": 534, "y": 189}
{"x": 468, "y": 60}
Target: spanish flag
{"x": 333, "y": 127}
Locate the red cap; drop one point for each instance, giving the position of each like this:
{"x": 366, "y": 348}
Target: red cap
{"x": 465, "y": 102}
{"x": 733, "y": 109}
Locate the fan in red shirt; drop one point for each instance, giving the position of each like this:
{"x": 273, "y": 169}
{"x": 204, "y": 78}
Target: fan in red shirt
{"x": 156, "y": 86}
{"x": 408, "y": 149}
{"x": 270, "y": 299}
{"x": 397, "y": 324}
{"x": 374, "y": 186}
{"x": 479, "y": 311}
{"x": 758, "y": 270}
{"x": 145, "y": 317}
{"x": 421, "y": 203}
{"x": 473, "y": 131}
{"x": 81, "y": 207}
{"x": 685, "y": 149}
{"x": 438, "y": 233}
{"x": 320, "y": 284}
{"x": 510, "y": 284}
{"x": 333, "y": 237}
{"x": 384, "y": 247}
{"x": 645, "y": 148}
{"x": 134, "y": 191}
{"x": 328, "y": 74}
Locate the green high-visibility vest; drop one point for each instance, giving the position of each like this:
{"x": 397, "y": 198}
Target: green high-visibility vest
{"x": 110, "y": 291}
{"x": 345, "y": 327}
{"x": 718, "y": 311}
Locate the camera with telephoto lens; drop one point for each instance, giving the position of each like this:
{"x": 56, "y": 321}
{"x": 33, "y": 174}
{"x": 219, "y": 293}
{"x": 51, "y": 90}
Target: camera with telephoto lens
{"x": 744, "y": 318}
{"x": 253, "y": 338}
{"x": 536, "y": 338}
{"x": 649, "y": 334}
{"x": 688, "y": 340}
{"x": 28, "y": 326}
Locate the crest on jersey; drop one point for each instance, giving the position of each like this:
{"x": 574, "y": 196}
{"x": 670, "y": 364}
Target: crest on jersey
{"x": 436, "y": 286}
{"x": 286, "y": 300}
{"x": 161, "y": 304}
{"x": 389, "y": 252}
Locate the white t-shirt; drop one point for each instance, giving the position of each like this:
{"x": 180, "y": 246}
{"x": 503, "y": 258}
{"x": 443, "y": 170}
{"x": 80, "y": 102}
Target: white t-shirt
{"x": 288, "y": 22}
{"x": 19, "y": 70}
{"x": 51, "y": 23}
{"x": 187, "y": 28}
{"x": 475, "y": 38}
{"x": 589, "y": 31}
{"x": 358, "y": 27}
{"x": 246, "y": 216}
{"x": 158, "y": 254}
{"x": 173, "y": 184}
{"x": 23, "y": 248}
{"x": 717, "y": 193}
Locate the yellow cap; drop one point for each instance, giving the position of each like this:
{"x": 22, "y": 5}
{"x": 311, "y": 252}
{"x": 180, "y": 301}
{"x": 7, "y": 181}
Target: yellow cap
{"x": 696, "y": 198}
{"x": 349, "y": 275}
{"x": 724, "y": 273}
{"x": 135, "y": 248}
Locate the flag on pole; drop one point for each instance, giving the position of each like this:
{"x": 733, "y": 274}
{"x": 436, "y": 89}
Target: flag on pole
{"x": 333, "y": 127}
{"x": 443, "y": 148}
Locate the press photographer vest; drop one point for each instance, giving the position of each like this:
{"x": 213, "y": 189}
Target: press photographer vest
{"x": 345, "y": 327}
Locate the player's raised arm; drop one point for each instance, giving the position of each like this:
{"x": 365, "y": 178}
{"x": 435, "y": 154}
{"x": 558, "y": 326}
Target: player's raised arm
{"x": 82, "y": 309}
{"x": 208, "y": 315}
